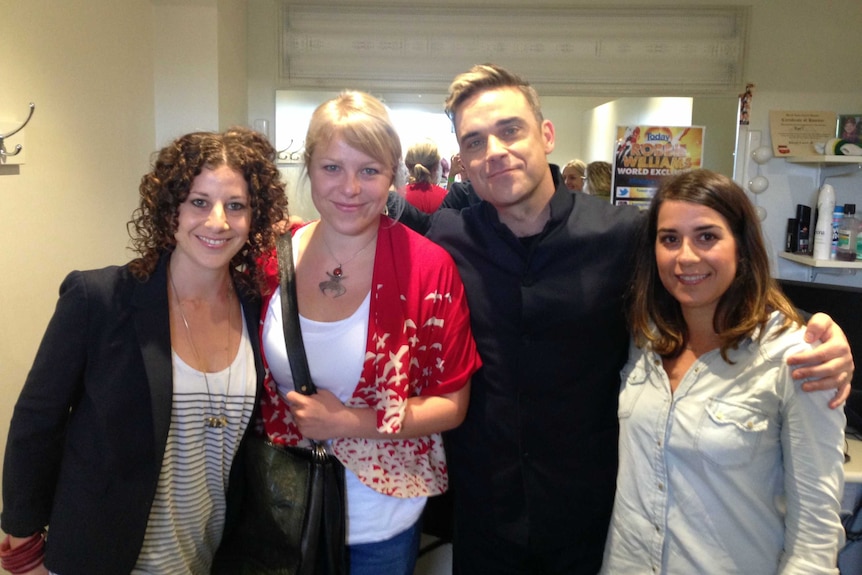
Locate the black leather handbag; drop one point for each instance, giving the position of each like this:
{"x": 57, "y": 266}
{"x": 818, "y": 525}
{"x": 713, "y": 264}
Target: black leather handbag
{"x": 292, "y": 520}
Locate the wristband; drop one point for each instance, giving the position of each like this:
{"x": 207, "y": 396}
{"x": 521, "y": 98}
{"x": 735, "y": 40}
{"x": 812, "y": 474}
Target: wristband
{"x": 24, "y": 557}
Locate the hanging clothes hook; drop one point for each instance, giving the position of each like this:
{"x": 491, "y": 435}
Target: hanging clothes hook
{"x": 285, "y": 154}
{"x": 3, "y": 153}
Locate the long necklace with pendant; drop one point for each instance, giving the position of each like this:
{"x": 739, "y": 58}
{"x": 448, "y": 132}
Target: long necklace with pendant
{"x": 332, "y": 286}
{"x": 215, "y": 420}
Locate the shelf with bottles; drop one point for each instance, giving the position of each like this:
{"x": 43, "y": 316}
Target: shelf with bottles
{"x": 830, "y": 166}
{"x": 808, "y": 260}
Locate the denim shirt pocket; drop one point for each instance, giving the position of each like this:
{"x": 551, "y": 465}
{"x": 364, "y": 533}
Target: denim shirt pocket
{"x": 633, "y": 377}
{"x": 729, "y": 433}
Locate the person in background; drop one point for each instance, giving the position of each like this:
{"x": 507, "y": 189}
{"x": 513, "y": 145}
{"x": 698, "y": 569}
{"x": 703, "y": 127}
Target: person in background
{"x": 597, "y": 180}
{"x": 850, "y": 129}
{"x": 726, "y": 465}
{"x": 456, "y": 171}
{"x": 460, "y": 194}
{"x": 545, "y": 270}
{"x": 444, "y": 172}
{"x": 423, "y": 167}
{"x": 387, "y": 333}
{"x": 123, "y": 439}
{"x": 573, "y": 175}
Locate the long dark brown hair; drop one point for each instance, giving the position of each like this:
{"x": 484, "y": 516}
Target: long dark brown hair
{"x": 656, "y": 317}
{"x": 162, "y": 190}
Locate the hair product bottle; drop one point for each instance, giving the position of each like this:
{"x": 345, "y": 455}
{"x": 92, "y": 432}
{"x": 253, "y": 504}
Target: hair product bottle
{"x": 823, "y": 225}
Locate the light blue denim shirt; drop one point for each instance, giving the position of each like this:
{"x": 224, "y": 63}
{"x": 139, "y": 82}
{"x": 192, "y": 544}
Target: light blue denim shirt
{"x": 737, "y": 471}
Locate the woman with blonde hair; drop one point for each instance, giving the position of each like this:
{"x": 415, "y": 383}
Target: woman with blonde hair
{"x": 573, "y": 175}
{"x": 423, "y": 168}
{"x": 387, "y": 334}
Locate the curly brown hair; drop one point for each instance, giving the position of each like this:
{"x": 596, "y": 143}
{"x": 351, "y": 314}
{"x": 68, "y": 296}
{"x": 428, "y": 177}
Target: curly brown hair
{"x": 154, "y": 222}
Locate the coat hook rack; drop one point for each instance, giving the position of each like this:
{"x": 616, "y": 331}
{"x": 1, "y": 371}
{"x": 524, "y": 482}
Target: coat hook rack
{"x": 3, "y": 153}
{"x": 286, "y": 155}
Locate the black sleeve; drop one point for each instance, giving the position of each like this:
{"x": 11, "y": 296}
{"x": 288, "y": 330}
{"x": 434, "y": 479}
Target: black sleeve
{"x": 460, "y": 196}
{"x": 403, "y": 211}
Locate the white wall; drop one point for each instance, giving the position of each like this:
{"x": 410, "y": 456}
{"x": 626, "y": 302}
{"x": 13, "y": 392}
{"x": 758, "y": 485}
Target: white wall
{"x": 185, "y": 70}
{"x": 88, "y": 66}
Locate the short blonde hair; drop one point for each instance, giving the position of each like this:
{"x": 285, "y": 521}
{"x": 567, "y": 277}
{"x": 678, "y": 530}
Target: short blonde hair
{"x": 362, "y": 121}
{"x": 578, "y": 165}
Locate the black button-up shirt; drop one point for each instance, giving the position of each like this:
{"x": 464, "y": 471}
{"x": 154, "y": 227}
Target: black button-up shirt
{"x": 537, "y": 455}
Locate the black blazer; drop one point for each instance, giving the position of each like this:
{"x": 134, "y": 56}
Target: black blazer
{"x": 89, "y": 429}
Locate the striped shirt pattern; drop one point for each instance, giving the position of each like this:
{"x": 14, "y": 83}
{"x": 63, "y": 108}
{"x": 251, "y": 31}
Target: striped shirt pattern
{"x": 187, "y": 516}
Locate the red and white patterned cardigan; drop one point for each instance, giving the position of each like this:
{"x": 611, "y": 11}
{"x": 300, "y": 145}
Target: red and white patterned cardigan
{"x": 419, "y": 343}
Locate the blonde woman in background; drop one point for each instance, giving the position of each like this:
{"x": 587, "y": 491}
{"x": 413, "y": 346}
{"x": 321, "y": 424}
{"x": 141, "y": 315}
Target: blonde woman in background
{"x": 573, "y": 175}
{"x": 423, "y": 168}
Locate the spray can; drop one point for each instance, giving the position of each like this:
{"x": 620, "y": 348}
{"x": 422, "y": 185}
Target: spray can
{"x": 823, "y": 225}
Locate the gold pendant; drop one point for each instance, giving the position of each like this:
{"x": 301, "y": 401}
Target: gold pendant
{"x": 216, "y": 421}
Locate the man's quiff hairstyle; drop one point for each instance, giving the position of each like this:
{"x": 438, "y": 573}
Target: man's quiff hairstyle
{"x": 488, "y": 77}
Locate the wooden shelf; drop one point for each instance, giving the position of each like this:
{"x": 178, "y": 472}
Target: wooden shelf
{"x": 811, "y": 262}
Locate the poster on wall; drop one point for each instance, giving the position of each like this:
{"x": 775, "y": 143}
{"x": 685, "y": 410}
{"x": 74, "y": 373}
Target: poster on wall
{"x": 644, "y": 155}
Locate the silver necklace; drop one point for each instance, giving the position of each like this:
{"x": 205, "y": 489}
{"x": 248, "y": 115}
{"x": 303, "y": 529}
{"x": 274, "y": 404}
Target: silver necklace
{"x": 333, "y": 287}
{"x": 217, "y": 420}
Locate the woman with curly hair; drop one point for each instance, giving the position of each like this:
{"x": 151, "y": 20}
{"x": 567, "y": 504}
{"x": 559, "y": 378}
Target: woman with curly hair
{"x": 123, "y": 438}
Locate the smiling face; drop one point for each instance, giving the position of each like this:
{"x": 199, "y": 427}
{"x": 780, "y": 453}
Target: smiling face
{"x": 696, "y": 255}
{"x": 348, "y": 187}
{"x": 214, "y": 220}
{"x": 573, "y": 178}
{"x": 504, "y": 148}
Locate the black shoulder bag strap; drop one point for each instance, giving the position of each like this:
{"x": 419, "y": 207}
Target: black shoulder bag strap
{"x": 323, "y": 548}
{"x": 290, "y": 317}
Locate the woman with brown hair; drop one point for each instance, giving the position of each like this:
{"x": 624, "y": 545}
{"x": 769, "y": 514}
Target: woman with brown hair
{"x": 123, "y": 440}
{"x": 726, "y": 465}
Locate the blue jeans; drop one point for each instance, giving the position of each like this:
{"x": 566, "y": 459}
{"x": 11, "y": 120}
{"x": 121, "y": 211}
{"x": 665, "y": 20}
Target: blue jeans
{"x": 395, "y": 556}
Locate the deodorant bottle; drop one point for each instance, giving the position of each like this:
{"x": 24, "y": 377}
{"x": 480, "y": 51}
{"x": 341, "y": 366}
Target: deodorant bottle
{"x": 823, "y": 226}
